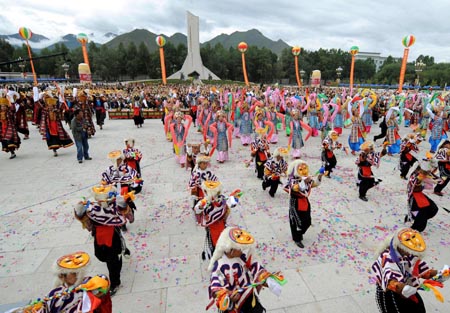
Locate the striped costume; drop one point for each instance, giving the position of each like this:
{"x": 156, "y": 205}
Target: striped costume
{"x": 407, "y": 270}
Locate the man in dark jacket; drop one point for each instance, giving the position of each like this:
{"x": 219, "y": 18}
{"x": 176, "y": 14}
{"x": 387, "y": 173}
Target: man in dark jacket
{"x": 79, "y": 131}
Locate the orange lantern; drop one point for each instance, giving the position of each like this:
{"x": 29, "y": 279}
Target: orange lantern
{"x": 242, "y": 47}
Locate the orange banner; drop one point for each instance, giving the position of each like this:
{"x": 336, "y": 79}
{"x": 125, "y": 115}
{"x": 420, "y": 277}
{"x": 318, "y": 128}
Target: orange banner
{"x": 244, "y": 70}
{"x": 163, "y": 65}
{"x": 85, "y": 54}
{"x": 299, "y": 82}
{"x": 32, "y": 65}
{"x": 352, "y": 68}
{"x": 403, "y": 69}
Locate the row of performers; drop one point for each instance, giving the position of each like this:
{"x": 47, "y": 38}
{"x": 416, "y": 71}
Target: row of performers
{"x": 50, "y": 109}
{"x": 218, "y": 130}
{"x": 212, "y": 209}
{"x": 104, "y": 213}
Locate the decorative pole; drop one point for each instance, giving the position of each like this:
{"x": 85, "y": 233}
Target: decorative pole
{"x": 353, "y": 51}
{"x": 296, "y": 52}
{"x": 83, "y": 40}
{"x": 161, "y": 41}
{"x": 26, "y": 34}
{"x": 407, "y": 42}
{"x": 242, "y": 47}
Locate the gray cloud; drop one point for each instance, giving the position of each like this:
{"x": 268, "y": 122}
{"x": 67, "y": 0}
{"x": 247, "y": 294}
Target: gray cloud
{"x": 376, "y": 26}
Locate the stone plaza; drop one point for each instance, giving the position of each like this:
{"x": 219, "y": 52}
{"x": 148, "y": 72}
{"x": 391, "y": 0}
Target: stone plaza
{"x": 165, "y": 273}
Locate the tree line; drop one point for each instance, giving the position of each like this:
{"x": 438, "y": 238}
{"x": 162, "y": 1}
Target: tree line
{"x": 263, "y": 66}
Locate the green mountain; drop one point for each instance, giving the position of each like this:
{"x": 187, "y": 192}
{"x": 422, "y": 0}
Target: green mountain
{"x": 252, "y": 37}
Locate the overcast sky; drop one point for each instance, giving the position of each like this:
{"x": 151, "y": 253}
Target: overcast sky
{"x": 374, "y": 26}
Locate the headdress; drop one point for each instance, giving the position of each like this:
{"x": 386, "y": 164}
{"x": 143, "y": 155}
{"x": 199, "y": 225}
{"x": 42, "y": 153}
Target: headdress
{"x": 221, "y": 113}
{"x": 3, "y": 99}
{"x": 408, "y": 240}
{"x": 367, "y": 145}
{"x": 129, "y": 142}
{"x": 115, "y": 155}
{"x": 261, "y": 130}
{"x": 232, "y": 238}
{"x": 178, "y": 114}
{"x": 203, "y": 158}
{"x": 281, "y": 151}
{"x": 76, "y": 262}
{"x": 442, "y": 143}
{"x": 211, "y": 188}
{"x": 293, "y": 167}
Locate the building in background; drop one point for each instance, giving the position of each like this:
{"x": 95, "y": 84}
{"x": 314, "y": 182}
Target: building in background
{"x": 375, "y": 56}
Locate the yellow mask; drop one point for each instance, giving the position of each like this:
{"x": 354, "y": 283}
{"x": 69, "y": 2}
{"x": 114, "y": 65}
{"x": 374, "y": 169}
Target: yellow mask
{"x": 241, "y": 236}
{"x": 302, "y": 170}
{"x": 412, "y": 240}
{"x": 210, "y": 184}
{"x": 334, "y": 136}
{"x": 73, "y": 261}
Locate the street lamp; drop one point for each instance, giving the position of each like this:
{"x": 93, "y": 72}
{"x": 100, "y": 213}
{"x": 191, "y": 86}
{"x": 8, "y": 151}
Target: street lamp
{"x": 22, "y": 67}
{"x": 302, "y": 73}
{"x": 338, "y": 73}
{"x": 418, "y": 67}
{"x": 65, "y": 67}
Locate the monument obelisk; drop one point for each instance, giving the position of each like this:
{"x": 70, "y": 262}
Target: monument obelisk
{"x": 193, "y": 65}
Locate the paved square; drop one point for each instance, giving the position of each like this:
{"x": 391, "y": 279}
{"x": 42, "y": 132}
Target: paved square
{"x": 165, "y": 272}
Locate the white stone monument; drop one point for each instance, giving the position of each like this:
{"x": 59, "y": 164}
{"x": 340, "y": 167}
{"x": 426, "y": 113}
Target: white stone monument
{"x": 193, "y": 65}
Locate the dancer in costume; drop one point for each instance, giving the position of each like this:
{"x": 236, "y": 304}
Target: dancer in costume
{"x": 408, "y": 151}
{"x": 100, "y": 109}
{"x": 313, "y": 109}
{"x": 223, "y": 135}
{"x": 357, "y": 132}
{"x": 85, "y": 106}
{"x": 194, "y": 150}
{"x": 124, "y": 178}
{"x": 137, "y": 112}
{"x": 295, "y": 142}
{"x": 260, "y": 150}
{"x": 277, "y": 119}
{"x": 199, "y": 175}
{"x": 420, "y": 207}
{"x": 245, "y": 124}
{"x": 369, "y": 102}
{"x": 329, "y": 144}
{"x": 392, "y": 136}
{"x": 179, "y": 130}
{"x": 443, "y": 157}
{"x": 338, "y": 121}
{"x": 8, "y": 131}
{"x": 399, "y": 271}
{"x": 132, "y": 156}
{"x": 103, "y": 216}
{"x": 19, "y": 103}
{"x": 437, "y": 130}
{"x": 236, "y": 278}
{"x": 73, "y": 291}
{"x": 299, "y": 186}
{"x": 275, "y": 167}
{"x": 366, "y": 159}
{"x": 51, "y": 127}
{"x": 213, "y": 210}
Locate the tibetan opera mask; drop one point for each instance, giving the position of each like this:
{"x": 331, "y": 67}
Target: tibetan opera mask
{"x": 412, "y": 240}
{"x": 334, "y": 135}
{"x": 73, "y": 261}
{"x": 240, "y": 236}
{"x": 303, "y": 170}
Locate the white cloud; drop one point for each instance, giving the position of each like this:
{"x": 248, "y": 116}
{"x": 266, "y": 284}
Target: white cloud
{"x": 376, "y": 26}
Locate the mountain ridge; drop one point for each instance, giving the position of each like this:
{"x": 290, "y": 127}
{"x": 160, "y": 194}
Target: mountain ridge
{"x": 252, "y": 37}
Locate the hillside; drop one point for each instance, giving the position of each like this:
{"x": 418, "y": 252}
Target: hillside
{"x": 252, "y": 37}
